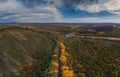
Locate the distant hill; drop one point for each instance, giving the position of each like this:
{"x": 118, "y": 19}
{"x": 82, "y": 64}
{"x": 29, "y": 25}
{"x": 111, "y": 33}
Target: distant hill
{"x": 103, "y": 27}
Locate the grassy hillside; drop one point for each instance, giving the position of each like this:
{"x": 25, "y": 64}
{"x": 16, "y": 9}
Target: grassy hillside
{"x": 94, "y": 58}
{"x": 21, "y": 46}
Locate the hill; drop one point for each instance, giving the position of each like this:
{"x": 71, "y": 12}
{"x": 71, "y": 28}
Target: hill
{"x": 24, "y": 46}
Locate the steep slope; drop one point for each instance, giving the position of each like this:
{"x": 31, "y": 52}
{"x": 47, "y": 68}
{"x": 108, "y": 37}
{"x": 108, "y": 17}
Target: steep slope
{"x": 20, "y": 46}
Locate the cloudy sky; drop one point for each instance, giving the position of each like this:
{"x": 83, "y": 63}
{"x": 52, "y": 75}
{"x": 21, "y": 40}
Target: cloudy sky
{"x": 62, "y": 11}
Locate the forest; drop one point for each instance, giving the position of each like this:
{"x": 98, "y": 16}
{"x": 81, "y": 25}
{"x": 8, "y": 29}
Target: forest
{"x": 94, "y": 58}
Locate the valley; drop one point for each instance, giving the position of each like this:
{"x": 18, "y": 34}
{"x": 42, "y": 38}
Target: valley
{"x": 59, "y": 50}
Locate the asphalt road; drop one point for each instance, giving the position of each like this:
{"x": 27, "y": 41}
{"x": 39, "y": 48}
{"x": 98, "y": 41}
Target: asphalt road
{"x": 60, "y": 64}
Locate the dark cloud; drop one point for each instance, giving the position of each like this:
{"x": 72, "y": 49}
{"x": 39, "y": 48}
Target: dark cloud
{"x": 71, "y": 2}
{"x": 33, "y": 3}
{"x": 3, "y": 1}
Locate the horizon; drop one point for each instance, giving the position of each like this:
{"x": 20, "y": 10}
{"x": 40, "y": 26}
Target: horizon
{"x": 54, "y": 23}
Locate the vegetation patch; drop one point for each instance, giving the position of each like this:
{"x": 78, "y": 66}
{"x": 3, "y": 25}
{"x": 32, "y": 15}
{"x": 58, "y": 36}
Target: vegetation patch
{"x": 94, "y": 58}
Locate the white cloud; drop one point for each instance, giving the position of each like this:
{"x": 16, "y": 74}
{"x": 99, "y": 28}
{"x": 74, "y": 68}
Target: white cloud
{"x": 50, "y": 13}
{"x": 112, "y": 6}
{"x": 9, "y": 6}
{"x": 90, "y": 20}
{"x": 20, "y": 13}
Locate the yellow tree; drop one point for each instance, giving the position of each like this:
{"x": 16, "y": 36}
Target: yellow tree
{"x": 55, "y": 64}
{"x": 63, "y": 59}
